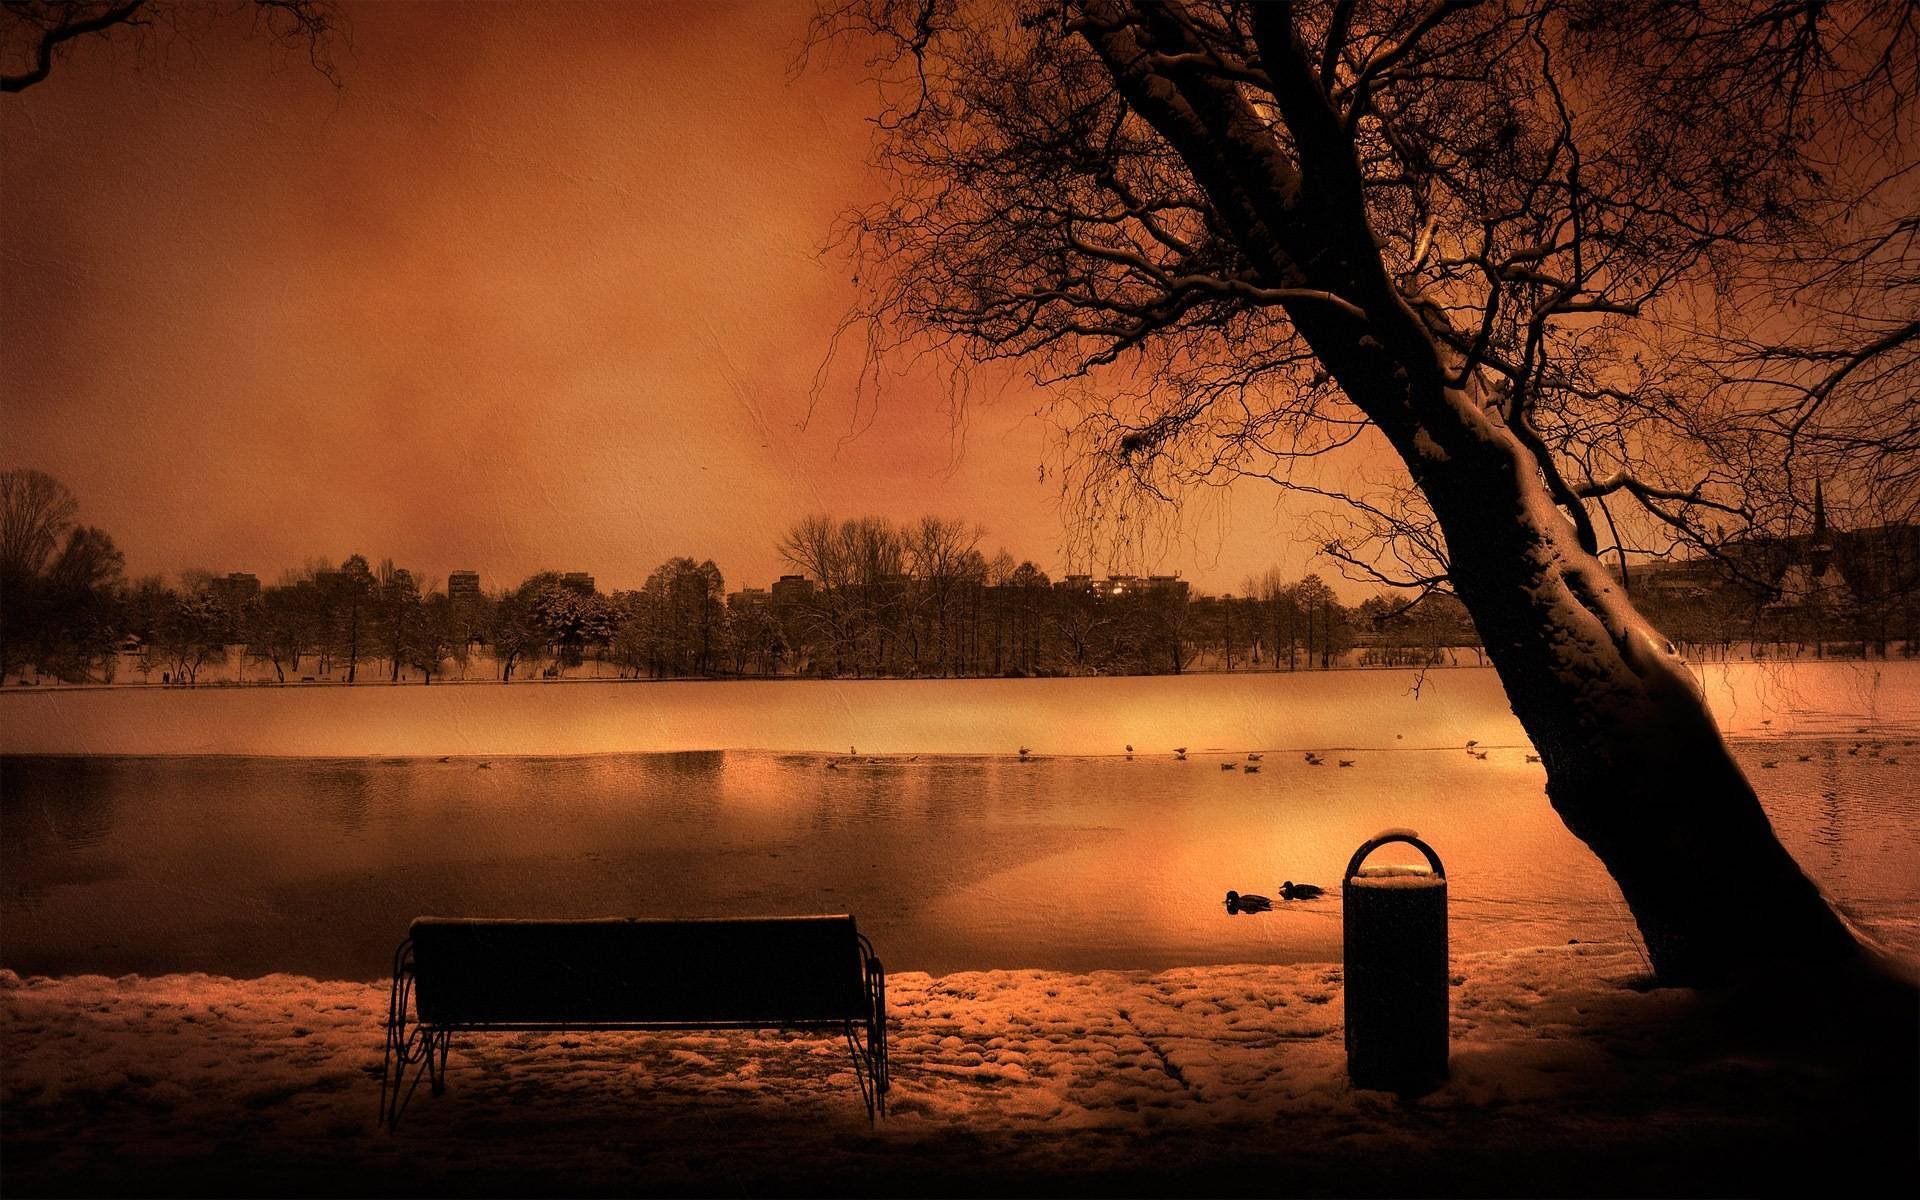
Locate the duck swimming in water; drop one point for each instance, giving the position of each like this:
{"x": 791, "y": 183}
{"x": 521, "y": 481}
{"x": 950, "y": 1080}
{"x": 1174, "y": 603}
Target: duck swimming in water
{"x": 1301, "y": 891}
{"x": 1236, "y": 903}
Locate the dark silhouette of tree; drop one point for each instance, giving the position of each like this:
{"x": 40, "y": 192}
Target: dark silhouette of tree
{"x": 349, "y": 594}
{"x": 285, "y": 624}
{"x": 189, "y": 631}
{"x": 1479, "y": 234}
{"x": 36, "y": 510}
{"x": 515, "y": 635}
{"x": 34, "y": 34}
{"x": 82, "y": 598}
{"x": 434, "y": 635}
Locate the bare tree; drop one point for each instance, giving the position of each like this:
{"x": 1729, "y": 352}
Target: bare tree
{"x": 36, "y": 510}
{"x": 34, "y": 34}
{"x": 1485, "y": 236}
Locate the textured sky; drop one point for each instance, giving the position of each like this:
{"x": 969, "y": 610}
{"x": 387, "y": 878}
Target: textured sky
{"x": 537, "y": 287}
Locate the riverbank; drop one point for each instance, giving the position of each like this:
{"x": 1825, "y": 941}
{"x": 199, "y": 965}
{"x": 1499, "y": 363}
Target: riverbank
{"x": 1377, "y": 709}
{"x": 1569, "y": 1076}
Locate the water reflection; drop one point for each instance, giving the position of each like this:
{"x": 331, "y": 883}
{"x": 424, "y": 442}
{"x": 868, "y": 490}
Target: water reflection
{"x": 247, "y": 866}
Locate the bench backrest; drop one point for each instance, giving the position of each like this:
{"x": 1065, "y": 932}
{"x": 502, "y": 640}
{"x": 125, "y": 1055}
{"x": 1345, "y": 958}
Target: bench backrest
{"x": 759, "y": 970}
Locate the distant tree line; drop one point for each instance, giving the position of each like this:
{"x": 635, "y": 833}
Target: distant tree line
{"x": 867, "y": 598}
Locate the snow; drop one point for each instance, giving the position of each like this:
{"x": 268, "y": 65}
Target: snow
{"x": 1399, "y": 878}
{"x": 997, "y": 1073}
{"x": 1276, "y": 711}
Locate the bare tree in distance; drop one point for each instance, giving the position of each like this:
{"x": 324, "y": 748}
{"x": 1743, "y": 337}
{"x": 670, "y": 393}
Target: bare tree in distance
{"x": 1533, "y": 248}
{"x": 35, "y": 34}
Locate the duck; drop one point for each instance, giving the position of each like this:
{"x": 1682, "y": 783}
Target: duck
{"x": 485, "y": 766}
{"x": 1472, "y": 742}
{"x": 1346, "y": 762}
{"x": 1301, "y": 891}
{"x": 1236, "y": 903}
{"x": 1129, "y": 749}
{"x": 1025, "y": 754}
{"x": 1804, "y": 758}
{"x": 1479, "y": 754}
{"x": 1253, "y": 768}
{"x": 1533, "y": 758}
{"x": 446, "y": 758}
{"x": 1255, "y": 757}
{"x": 1770, "y": 764}
{"x": 1226, "y": 766}
{"x": 1312, "y": 759}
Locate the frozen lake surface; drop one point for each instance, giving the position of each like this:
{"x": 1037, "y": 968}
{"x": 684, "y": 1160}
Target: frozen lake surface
{"x": 249, "y": 865}
{"x": 1300, "y": 710}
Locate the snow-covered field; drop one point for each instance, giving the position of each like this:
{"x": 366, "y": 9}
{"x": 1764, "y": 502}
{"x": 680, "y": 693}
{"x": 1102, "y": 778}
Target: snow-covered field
{"x": 1568, "y": 1075}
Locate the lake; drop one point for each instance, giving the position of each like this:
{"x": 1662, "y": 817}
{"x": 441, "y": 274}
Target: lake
{"x": 246, "y": 865}
{"x": 254, "y": 864}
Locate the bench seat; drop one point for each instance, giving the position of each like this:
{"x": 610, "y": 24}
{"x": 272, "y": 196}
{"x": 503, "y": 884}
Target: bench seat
{"x": 466, "y": 975}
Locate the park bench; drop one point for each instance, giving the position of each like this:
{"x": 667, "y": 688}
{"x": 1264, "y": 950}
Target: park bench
{"x": 464, "y": 976}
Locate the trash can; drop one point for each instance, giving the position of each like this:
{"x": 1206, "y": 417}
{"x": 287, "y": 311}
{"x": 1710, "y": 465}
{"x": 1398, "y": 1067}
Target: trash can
{"x": 1396, "y": 969}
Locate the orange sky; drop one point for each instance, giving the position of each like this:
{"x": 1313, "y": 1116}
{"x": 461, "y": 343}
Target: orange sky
{"x": 539, "y": 287}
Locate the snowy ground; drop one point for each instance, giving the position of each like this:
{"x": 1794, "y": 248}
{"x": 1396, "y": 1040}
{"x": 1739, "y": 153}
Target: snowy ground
{"x": 1569, "y": 1076}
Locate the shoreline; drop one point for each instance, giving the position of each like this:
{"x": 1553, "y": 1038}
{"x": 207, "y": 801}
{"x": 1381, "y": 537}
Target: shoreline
{"x": 1066, "y": 717}
{"x": 1004, "y": 1080}
{"x": 896, "y": 759}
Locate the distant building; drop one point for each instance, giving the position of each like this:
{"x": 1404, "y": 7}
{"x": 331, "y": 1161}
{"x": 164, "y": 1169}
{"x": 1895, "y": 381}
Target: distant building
{"x": 236, "y": 588}
{"x": 791, "y": 589}
{"x": 1166, "y": 585}
{"x": 1117, "y": 586}
{"x": 749, "y": 600}
{"x": 1074, "y": 583}
{"x": 579, "y": 581}
{"x": 463, "y": 585}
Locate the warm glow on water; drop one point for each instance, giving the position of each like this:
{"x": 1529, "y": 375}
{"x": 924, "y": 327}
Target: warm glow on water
{"x": 249, "y": 866}
{"x": 1372, "y": 709}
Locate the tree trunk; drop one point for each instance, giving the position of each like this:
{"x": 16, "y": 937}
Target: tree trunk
{"x": 1636, "y": 766}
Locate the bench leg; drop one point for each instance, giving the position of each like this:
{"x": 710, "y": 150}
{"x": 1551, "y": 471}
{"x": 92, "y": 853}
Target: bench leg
{"x": 863, "y": 1071}
{"x": 437, "y": 1064}
{"x": 425, "y": 1052}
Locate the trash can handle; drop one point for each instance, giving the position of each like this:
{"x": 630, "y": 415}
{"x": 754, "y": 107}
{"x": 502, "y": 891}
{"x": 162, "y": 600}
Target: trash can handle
{"x": 1387, "y": 837}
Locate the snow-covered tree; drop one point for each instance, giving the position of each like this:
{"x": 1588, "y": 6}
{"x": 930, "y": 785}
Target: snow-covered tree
{"x": 1522, "y": 246}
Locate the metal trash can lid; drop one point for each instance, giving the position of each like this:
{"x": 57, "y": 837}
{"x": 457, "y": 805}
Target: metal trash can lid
{"x": 1394, "y": 877}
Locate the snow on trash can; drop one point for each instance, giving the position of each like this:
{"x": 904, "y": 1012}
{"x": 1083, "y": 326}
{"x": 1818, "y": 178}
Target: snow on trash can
{"x": 1396, "y": 969}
